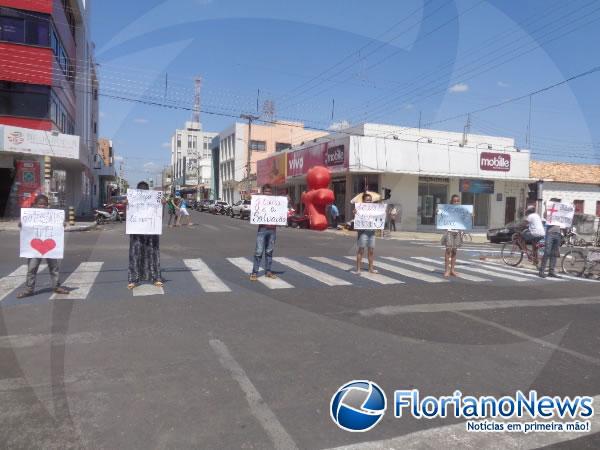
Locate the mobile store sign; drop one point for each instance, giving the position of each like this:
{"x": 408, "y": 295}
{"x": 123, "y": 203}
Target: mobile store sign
{"x": 38, "y": 142}
{"x": 334, "y": 157}
{"x": 495, "y": 162}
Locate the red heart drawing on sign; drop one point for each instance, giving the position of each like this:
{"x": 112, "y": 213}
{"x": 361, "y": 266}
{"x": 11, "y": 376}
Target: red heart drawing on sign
{"x": 43, "y": 246}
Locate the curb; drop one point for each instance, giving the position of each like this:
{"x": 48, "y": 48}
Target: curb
{"x": 68, "y": 228}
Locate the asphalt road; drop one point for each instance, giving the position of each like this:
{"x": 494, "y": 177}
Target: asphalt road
{"x": 216, "y": 361}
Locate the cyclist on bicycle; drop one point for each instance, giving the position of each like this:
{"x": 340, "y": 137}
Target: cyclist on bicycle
{"x": 534, "y": 231}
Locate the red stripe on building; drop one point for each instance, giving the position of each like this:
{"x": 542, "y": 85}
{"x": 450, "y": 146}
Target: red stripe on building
{"x": 26, "y": 64}
{"x": 36, "y": 124}
{"x": 43, "y": 6}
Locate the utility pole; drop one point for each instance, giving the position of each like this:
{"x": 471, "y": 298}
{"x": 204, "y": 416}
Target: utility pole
{"x": 249, "y": 118}
{"x": 466, "y": 130}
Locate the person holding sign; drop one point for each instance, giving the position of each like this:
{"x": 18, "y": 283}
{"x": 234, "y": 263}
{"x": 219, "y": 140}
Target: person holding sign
{"x": 554, "y": 220}
{"x": 452, "y": 240}
{"x": 366, "y": 236}
{"x": 42, "y": 248}
{"x": 267, "y": 213}
{"x": 144, "y": 218}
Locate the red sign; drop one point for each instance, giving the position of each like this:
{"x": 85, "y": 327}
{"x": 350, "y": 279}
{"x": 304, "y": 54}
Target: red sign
{"x": 271, "y": 170}
{"x": 334, "y": 157}
{"x": 496, "y": 162}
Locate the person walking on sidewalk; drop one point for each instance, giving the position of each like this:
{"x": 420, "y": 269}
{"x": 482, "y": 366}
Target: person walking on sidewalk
{"x": 365, "y": 239}
{"x": 33, "y": 264}
{"x": 393, "y": 214}
{"x": 144, "y": 255}
{"x": 335, "y": 214}
{"x": 265, "y": 243}
{"x": 551, "y": 248}
{"x": 452, "y": 240}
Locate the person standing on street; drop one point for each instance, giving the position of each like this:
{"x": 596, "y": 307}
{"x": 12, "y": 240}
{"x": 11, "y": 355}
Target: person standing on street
{"x": 265, "y": 243}
{"x": 33, "y": 264}
{"x": 393, "y": 214}
{"x": 335, "y": 214}
{"x": 551, "y": 248}
{"x": 452, "y": 240}
{"x": 172, "y": 211}
{"x": 144, "y": 255}
{"x": 365, "y": 239}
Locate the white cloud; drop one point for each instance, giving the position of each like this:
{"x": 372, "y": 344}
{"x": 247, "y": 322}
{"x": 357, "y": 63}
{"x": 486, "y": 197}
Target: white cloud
{"x": 502, "y": 84}
{"x": 166, "y": 145}
{"x": 459, "y": 87}
{"x": 118, "y": 158}
{"x": 409, "y": 106}
{"x": 151, "y": 167}
{"x": 342, "y": 125}
{"x": 102, "y": 115}
{"x": 141, "y": 121}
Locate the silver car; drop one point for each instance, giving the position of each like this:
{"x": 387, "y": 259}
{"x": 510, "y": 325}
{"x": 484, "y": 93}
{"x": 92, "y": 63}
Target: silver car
{"x": 241, "y": 209}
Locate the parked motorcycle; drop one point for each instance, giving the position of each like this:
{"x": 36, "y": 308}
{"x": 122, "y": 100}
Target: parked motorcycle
{"x": 106, "y": 217}
{"x": 297, "y": 220}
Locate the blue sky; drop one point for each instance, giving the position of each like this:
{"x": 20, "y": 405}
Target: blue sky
{"x": 382, "y": 61}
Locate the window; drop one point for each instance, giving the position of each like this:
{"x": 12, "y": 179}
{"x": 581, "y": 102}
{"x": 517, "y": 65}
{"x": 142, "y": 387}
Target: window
{"x": 578, "y": 206}
{"x": 24, "y": 100}
{"x": 60, "y": 116}
{"x": 258, "y": 146}
{"x": 280, "y": 146}
{"x": 598, "y": 208}
{"x": 194, "y": 142}
{"x": 24, "y": 27}
{"x": 178, "y": 141}
{"x": 61, "y": 57}
{"x": 189, "y": 141}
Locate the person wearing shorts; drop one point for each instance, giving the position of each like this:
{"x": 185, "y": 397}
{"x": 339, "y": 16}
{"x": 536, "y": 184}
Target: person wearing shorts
{"x": 365, "y": 239}
{"x": 452, "y": 240}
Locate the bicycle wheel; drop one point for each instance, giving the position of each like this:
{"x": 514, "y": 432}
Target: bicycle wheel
{"x": 573, "y": 263}
{"x": 512, "y": 254}
{"x": 467, "y": 237}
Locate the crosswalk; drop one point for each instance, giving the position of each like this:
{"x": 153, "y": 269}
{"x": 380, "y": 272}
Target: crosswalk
{"x": 93, "y": 279}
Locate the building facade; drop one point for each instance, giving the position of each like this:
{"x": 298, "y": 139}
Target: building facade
{"x": 418, "y": 168}
{"x": 46, "y": 53}
{"x": 237, "y": 172}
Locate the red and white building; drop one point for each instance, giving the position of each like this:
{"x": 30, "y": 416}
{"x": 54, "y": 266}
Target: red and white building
{"x": 48, "y": 103}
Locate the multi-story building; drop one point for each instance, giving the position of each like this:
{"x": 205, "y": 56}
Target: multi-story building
{"x": 48, "y": 103}
{"x": 235, "y": 180}
{"x": 191, "y": 158}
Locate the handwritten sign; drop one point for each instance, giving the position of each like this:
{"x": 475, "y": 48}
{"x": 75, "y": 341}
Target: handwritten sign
{"x": 144, "y": 212}
{"x": 560, "y": 214}
{"x": 454, "y": 217}
{"x": 268, "y": 210}
{"x": 370, "y": 216}
{"x": 42, "y": 233}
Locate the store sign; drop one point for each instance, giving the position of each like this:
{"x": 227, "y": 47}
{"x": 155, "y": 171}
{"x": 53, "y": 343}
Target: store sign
{"x": 38, "y": 142}
{"x": 272, "y": 170}
{"x": 335, "y": 158}
{"x": 497, "y": 162}
{"x": 476, "y": 186}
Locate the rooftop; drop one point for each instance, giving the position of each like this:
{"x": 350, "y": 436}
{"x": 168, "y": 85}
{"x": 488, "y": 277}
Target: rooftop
{"x": 565, "y": 172}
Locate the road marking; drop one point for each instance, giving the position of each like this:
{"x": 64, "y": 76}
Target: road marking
{"x": 376, "y": 277}
{"x": 407, "y": 272}
{"x": 571, "y": 277}
{"x": 318, "y": 275}
{"x": 147, "y": 289}
{"x": 477, "y": 306}
{"x": 210, "y": 227}
{"x": 80, "y": 282}
{"x": 231, "y": 227}
{"x": 476, "y": 269}
{"x": 435, "y": 269}
{"x": 520, "y": 272}
{"x": 15, "y": 279}
{"x": 35, "y": 340}
{"x": 457, "y": 436}
{"x": 245, "y": 265}
{"x": 205, "y": 276}
{"x": 522, "y": 335}
{"x": 259, "y": 408}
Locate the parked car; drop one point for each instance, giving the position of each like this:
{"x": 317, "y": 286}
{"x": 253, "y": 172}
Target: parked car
{"x": 241, "y": 209}
{"x": 205, "y": 205}
{"x": 218, "y": 207}
{"x": 504, "y": 234}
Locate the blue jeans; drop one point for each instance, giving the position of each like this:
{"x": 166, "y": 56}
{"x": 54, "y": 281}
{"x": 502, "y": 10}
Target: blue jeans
{"x": 265, "y": 241}
{"x": 551, "y": 250}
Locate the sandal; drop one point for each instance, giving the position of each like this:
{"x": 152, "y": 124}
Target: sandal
{"x": 271, "y": 275}
{"x": 159, "y": 284}
{"x": 253, "y": 277}
{"x": 61, "y": 290}
{"x": 24, "y": 294}
{"x": 131, "y": 286}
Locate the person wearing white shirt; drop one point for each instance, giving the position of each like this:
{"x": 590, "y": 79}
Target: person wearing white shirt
{"x": 535, "y": 231}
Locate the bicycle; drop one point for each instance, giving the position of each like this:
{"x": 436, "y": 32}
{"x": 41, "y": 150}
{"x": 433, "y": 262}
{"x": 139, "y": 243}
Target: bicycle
{"x": 580, "y": 264}
{"x": 513, "y": 252}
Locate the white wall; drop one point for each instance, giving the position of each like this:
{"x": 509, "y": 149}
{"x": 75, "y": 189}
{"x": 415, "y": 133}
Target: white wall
{"x": 405, "y": 193}
{"x": 568, "y": 192}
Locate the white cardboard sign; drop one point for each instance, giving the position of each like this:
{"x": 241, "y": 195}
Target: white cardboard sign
{"x": 42, "y": 233}
{"x": 268, "y": 210}
{"x": 370, "y": 216}
{"x": 560, "y": 214}
{"x": 144, "y": 212}
{"x": 454, "y": 217}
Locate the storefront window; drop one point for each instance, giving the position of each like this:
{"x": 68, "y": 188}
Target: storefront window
{"x": 432, "y": 192}
{"x": 361, "y": 183}
{"x": 481, "y": 207}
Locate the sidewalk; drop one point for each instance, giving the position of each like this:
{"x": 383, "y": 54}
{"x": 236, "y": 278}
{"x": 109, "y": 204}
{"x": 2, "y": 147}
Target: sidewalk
{"x": 13, "y": 225}
{"x": 478, "y": 238}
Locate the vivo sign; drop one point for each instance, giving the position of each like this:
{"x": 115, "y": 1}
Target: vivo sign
{"x": 497, "y": 162}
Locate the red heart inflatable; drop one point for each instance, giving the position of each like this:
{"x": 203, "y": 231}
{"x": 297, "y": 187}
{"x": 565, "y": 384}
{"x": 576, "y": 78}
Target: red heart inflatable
{"x": 43, "y": 246}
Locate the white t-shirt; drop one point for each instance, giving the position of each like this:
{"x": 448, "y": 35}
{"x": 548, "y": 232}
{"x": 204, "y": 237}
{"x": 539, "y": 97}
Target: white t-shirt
{"x": 536, "y": 227}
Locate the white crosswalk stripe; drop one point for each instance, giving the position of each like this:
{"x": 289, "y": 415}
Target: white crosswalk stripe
{"x": 80, "y": 282}
{"x": 209, "y": 281}
{"x": 318, "y": 275}
{"x": 435, "y": 269}
{"x": 376, "y": 277}
{"x": 477, "y": 270}
{"x": 407, "y": 273}
{"x": 246, "y": 265}
{"x": 15, "y": 279}
{"x": 144, "y": 290}
{"x": 524, "y": 272}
